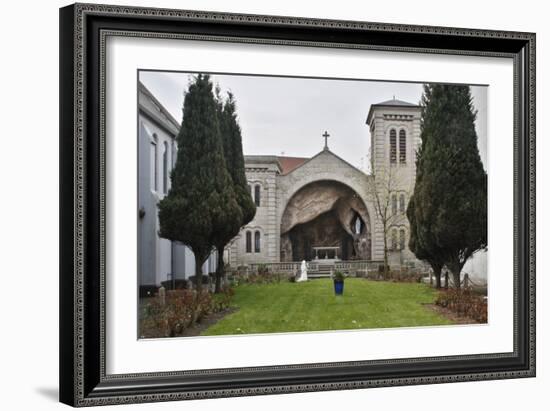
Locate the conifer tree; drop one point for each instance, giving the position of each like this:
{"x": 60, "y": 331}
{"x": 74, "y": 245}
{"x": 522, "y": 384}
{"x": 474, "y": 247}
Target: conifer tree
{"x": 201, "y": 205}
{"x": 450, "y": 196}
{"x": 419, "y": 248}
{"x": 234, "y": 160}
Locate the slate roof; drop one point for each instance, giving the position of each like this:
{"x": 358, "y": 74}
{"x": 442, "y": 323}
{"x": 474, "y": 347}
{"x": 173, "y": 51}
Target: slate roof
{"x": 396, "y": 102}
{"x": 390, "y": 103}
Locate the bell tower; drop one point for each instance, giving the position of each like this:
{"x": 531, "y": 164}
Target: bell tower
{"x": 394, "y": 139}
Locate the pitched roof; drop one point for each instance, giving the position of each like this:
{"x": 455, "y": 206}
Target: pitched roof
{"x": 390, "y": 103}
{"x": 290, "y": 163}
{"x": 155, "y": 110}
{"x": 396, "y": 102}
{"x": 325, "y": 151}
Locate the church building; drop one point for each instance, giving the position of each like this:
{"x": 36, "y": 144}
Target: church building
{"x": 323, "y": 208}
{"x": 318, "y": 208}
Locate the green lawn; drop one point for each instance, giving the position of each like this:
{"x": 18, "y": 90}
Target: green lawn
{"x": 312, "y": 306}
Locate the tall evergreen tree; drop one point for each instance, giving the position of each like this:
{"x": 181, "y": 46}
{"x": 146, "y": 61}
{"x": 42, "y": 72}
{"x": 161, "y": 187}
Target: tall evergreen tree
{"x": 201, "y": 206}
{"x": 420, "y": 248}
{"x": 450, "y": 197}
{"x": 234, "y": 160}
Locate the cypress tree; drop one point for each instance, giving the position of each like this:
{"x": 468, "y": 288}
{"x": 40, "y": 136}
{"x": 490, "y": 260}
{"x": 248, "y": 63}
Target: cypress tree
{"x": 420, "y": 248}
{"x": 450, "y": 197}
{"x": 234, "y": 160}
{"x": 201, "y": 205}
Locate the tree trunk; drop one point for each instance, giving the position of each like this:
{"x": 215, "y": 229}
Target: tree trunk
{"x": 455, "y": 269}
{"x": 437, "y": 274}
{"x": 446, "y": 279}
{"x": 456, "y": 279}
{"x": 199, "y": 261}
{"x": 385, "y": 255}
{"x": 219, "y": 270}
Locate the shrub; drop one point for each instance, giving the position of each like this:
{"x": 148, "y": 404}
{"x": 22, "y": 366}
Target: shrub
{"x": 205, "y": 280}
{"x": 182, "y": 309}
{"x": 338, "y": 276}
{"x": 222, "y": 301}
{"x": 256, "y": 278}
{"x": 179, "y": 283}
{"x": 405, "y": 276}
{"x": 262, "y": 269}
{"x": 465, "y": 303}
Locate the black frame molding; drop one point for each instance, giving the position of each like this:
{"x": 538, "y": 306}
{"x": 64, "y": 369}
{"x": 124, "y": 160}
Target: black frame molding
{"x": 83, "y": 30}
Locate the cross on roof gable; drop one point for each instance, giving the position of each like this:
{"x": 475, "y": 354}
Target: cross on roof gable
{"x": 324, "y": 151}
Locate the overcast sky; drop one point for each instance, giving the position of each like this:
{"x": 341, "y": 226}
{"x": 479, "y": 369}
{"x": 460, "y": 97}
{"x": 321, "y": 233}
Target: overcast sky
{"x": 287, "y": 116}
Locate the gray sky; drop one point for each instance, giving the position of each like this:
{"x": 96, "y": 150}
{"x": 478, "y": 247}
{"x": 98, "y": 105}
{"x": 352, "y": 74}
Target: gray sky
{"x": 287, "y": 116}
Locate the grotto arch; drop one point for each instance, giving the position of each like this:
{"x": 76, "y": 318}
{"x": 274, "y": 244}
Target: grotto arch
{"x": 325, "y": 219}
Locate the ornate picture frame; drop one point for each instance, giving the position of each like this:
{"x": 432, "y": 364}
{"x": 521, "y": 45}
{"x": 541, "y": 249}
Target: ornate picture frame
{"x": 84, "y": 30}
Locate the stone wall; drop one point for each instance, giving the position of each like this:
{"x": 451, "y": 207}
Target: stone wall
{"x": 260, "y": 171}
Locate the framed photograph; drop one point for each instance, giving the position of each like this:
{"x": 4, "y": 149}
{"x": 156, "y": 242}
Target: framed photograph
{"x": 262, "y": 204}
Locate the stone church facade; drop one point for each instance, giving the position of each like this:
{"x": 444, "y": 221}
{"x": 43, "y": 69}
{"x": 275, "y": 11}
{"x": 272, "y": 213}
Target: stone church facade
{"x": 323, "y": 207}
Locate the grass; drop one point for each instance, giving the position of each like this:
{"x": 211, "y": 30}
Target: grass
{"x": 312, "y": 306}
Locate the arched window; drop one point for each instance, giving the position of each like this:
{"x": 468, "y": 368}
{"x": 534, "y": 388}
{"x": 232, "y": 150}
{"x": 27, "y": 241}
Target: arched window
{"x": 153, "y": 166}
{"x": 393, "y": 146}
{"x": 165, "y": 168}
{"x": 394, "y": 204}
{"x": 402, "y": 239}
{"x": 402, "y": 203}
{"x": 402, "y": 146}
{"x": 257, "y": 195}
{"x": 257, "y": 242}
{"x": 248, "y": 242}
{"x": 394, "y": 239}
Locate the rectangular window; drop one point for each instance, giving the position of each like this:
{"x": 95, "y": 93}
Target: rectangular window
{"x": 402, "y": 203}
{"x": 402, "y": 239}
{"x": 394, "y": 240}
{"x": 394, "y": 204}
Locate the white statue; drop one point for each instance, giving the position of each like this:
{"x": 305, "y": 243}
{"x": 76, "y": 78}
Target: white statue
{"x": 303, "y": 272}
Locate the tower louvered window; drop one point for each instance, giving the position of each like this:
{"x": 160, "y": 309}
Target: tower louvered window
{"x": 393, "y": 146}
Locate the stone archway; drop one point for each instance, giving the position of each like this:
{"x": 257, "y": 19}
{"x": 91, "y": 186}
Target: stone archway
{"x": 329, "y": 216}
